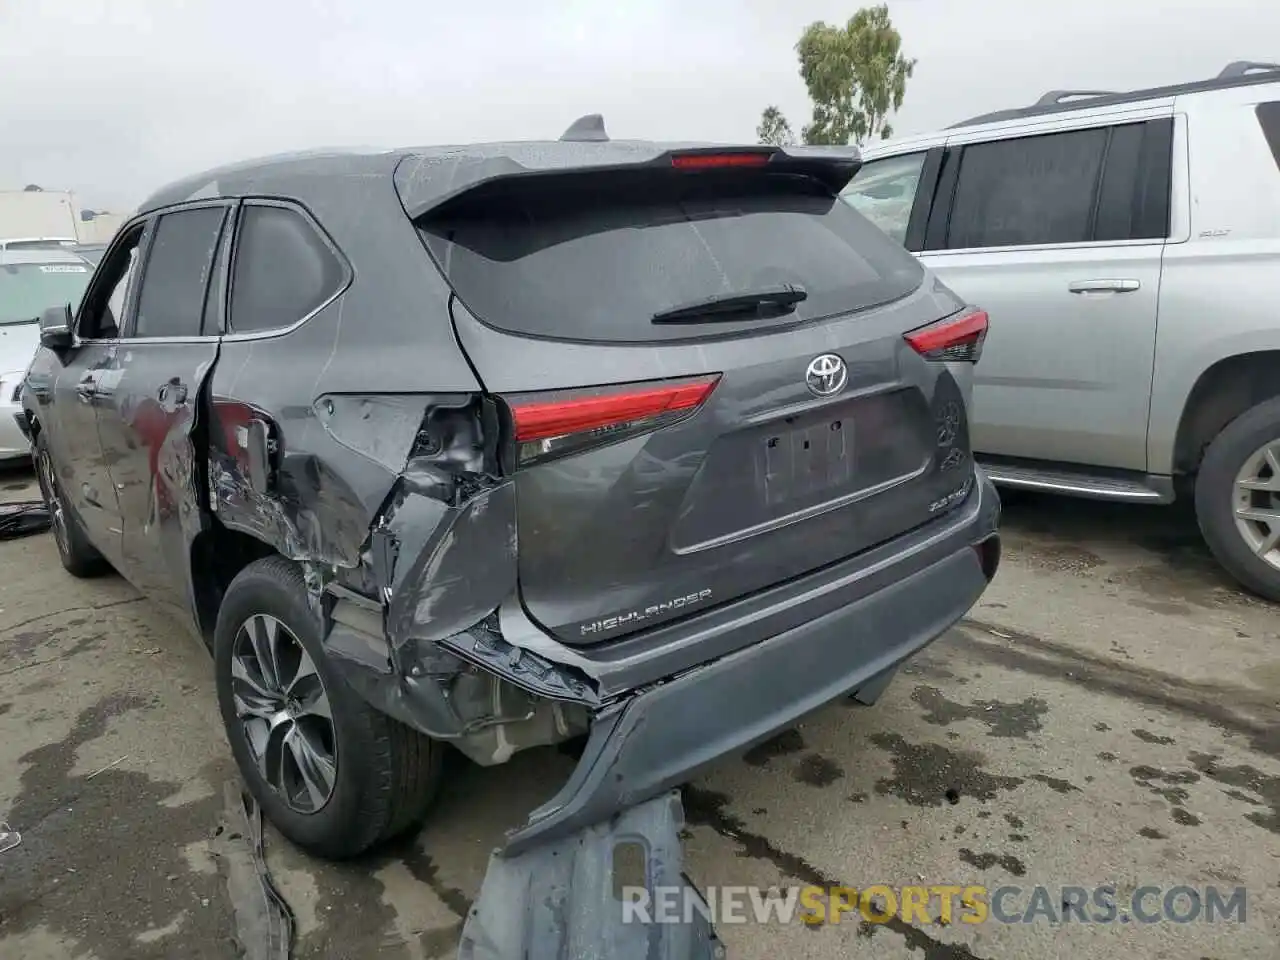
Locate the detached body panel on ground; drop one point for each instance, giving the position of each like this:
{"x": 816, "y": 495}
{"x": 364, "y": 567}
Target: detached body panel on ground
{"x": 421, "y": 471}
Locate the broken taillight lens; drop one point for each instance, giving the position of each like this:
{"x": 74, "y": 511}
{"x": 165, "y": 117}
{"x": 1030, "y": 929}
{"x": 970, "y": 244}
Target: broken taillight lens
{"x": 957, "y": 338}
{"x": 548, "y": 425}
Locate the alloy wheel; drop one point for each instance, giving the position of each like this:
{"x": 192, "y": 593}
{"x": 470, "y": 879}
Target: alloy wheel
{"x": 1257, "y": 503}
{"x": 53, "y": 500}
{"x": 284, "y": 712}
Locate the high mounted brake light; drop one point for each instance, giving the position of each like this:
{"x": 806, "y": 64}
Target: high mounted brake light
{"x": 713, "y": 161}
{"x": 956, "y": 338}
{"x": 552, "y": 425}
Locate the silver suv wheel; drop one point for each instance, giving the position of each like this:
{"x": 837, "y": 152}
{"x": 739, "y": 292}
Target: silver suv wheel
{"x": 1257, "y": 503}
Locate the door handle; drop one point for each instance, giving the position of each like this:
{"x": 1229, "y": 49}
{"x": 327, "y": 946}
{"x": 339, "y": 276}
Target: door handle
{"x": 1104, "y": 286}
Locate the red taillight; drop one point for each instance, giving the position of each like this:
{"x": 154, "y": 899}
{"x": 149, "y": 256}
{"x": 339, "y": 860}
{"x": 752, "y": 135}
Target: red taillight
{"x": 957, "y": 338}
{"x": 548, "y": 426}
{"x": 708, "y": 161}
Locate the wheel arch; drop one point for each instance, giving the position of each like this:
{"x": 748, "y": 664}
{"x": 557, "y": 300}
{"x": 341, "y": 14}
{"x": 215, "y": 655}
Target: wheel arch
{"x": 1222, "y": 392}
{"x": 218, "y": 554}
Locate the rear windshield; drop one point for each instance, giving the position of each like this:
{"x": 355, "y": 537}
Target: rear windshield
{"x": 595, "y": 257}
{"x": 28, "y": 289}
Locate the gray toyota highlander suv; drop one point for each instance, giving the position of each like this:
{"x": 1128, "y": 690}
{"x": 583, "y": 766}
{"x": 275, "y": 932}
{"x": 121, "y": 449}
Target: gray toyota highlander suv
{"x": 499, "y": 446}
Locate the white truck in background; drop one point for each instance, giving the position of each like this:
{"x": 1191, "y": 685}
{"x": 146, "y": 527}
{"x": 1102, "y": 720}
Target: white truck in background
{"x": 28, "y": 216}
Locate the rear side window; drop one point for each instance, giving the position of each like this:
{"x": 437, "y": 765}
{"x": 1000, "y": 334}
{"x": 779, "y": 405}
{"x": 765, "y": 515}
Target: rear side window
{"x": 884, "y": 191}
{"x": 1029, "y": 190}
{"x": 176, "y": 276}
{"x": 284, "y": 269}
{"x": 595, "y": 257}
{"x": 1269, "y": 117}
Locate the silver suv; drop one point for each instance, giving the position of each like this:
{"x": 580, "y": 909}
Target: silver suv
{"x": 1127, "y": 249}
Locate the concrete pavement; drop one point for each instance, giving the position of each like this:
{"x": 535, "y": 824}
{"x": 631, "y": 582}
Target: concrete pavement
{"x": 1109, "y": 714}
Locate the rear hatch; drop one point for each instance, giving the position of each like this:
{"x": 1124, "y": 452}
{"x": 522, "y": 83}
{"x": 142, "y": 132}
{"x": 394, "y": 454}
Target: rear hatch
{"x": 716, "y": 377}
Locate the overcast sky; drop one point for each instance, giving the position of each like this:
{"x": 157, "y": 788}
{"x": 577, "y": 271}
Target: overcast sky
{"x": 113, "y": 98}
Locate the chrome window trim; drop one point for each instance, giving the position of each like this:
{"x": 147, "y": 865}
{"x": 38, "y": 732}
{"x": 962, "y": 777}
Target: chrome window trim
{"x": 348, "y": 272}
{"x": 232, "y": 239}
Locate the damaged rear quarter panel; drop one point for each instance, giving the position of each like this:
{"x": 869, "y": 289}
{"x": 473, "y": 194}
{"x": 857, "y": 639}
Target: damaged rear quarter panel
{"x": 364, "y": 368}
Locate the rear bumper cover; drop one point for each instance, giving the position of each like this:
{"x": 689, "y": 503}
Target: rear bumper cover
{"x": 662, "y": 736}
{"x": 664, "y": 704}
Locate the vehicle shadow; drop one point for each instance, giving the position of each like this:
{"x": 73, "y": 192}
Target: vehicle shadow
{"x": 1169, "y": 532}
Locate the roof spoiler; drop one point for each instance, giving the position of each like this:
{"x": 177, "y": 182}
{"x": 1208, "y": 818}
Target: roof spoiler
{"x": 431, "y": 185}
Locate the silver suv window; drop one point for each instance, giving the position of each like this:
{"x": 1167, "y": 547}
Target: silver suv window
{"x": 884, "y": 190}
{"x": 1029, "y": 190}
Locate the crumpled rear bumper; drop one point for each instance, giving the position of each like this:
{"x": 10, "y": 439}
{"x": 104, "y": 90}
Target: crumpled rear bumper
{"x": 664, "y": 735}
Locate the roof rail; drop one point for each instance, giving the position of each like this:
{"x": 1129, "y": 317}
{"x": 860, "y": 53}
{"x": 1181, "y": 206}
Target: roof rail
{"x": 1055, "y": 97}
{"x": 1241, "y": 68}
{"x": 589, "y": 128}
{"x": 1241, "y": 73}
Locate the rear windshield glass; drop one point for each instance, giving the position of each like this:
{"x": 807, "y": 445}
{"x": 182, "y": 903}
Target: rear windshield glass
{"x": 28, "y": 289}
{"x": 595, "y": 257}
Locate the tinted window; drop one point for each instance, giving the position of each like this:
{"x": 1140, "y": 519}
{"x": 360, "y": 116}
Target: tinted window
{"x": 176, "y": 277}
{"x": 284, "y": 270}
{"x": 103, "y": 310}
{"x": 28, "y": 289}
{"x": 595, "y": 257}
{"x": 1030, "y": 190}
{"x": 1269, "y": 117}
{"x": 884, "y": 190}
{"x": 1133, "y": 200}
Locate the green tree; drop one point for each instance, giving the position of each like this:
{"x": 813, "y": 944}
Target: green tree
{"x": 774, "y": 128}
{"x": 856, "y": 76}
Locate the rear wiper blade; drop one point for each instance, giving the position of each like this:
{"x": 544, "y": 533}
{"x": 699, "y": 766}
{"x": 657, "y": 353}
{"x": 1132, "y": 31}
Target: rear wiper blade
{"x": 762, "y": 304}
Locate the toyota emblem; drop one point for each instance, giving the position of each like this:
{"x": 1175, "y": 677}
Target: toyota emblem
{"x": 826, "y": 375}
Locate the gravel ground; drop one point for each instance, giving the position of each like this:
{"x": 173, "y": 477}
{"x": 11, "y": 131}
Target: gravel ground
{"x": 1108, "y": 715}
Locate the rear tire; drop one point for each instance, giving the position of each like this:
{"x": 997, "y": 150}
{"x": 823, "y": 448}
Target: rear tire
{"x": 374, "y": 778}
{"x": 1233, "y": 500}
{"x": 79, "y": 557}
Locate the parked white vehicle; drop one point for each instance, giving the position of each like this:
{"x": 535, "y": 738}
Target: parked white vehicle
{"x": 1127, "y": 249}
{"x": 31, "y": 281}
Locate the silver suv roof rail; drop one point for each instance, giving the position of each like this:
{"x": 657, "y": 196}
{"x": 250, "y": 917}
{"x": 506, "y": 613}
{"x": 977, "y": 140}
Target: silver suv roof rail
{"x": 1243, "y": 68}
{"x": 1235, "y": 74}
{"x": 1055, "y": 97}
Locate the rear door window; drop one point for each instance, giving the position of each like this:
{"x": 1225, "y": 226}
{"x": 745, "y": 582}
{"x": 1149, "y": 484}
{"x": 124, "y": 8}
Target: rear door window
{"x": 594, "y": 258}
{"x": 1029, "y": 190}
{"x": 175, "y": 279}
